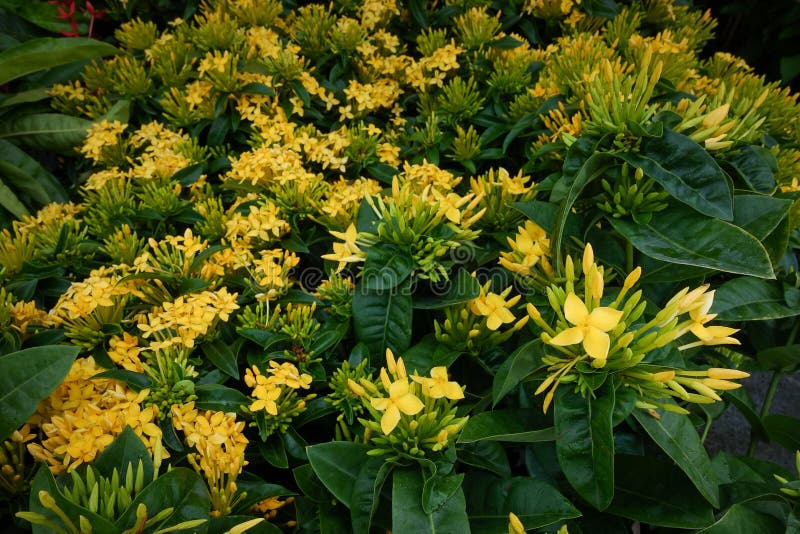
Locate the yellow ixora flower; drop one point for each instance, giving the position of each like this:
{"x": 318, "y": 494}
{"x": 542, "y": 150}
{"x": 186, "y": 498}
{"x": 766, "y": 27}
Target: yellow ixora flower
{"x": 400, "y": 399}
{"x": 437, "y": 386}
{"x": 590, "y": 327}
{"x": 347, "y": 252}
{"x": 495, "y": 308}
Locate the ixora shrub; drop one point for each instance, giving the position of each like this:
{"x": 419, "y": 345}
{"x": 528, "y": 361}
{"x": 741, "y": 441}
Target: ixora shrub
{"x": 376, "y": 266}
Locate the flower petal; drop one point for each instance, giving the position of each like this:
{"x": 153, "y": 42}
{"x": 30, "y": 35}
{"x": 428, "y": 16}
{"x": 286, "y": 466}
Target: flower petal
{"x": 604, "y": 318}
{"x": 570, "y": 336}
{"x": 409, "y": 404}
{"x": 453, "y": 391}
{"x": 575, "y": 310}
{"x": 596, "y": 343}
{"x": 390, "y": 419}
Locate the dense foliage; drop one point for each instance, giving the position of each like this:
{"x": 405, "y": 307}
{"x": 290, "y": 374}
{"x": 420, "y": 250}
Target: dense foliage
{"x": 379, "y": 266}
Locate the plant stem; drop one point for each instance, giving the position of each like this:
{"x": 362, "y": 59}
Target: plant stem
{"x": 709, "y": 420}
{"x": 628, "y": 256}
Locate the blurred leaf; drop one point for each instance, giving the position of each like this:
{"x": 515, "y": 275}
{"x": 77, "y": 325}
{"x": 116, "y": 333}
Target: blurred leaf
{"x": 48, "y": 131}
{"x": 783, "y": 429}
{"x": 47, "y": 188}
{"x": 741, "y": 519}
{"x": 48, "y": 52}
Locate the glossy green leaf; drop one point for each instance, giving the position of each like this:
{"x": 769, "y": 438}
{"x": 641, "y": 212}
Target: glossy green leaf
{"x": 677, "y": 436}
{"x": 407, "y": 512}
{"x": 127, "y": 448}
{"x": 385, "y": 267}
{"x": 134, "y": 380}
{"x": 655, "y": 493}
{"x": 338, "y": 464}
{"x": 545, "y": 214}
{"x": 751, "y": 299}
{"x": 687, "y": 171}
{"x": 9, "y": 200}
{"x": 755, "y": 166}
{"x": 513, "y": 426}
{"x": 488, "y": 455}
{"x": 585, "y": 443}
{"x": 427, "y": 354}
{"x": 681, "y": 235}
{"x": 759, "y": 215}
{"x": 25, "y": 97}
{"x": 27, "y": 377}
{"x": 382, "y": 319}
{"x": 254, "y": 489}
{"x": 534, "y": 501}
{"x": 783, "y": 429}
{"x": 366, "y": 493}
{"x": 522, "y": 362}
{"x": 48, "y": 131}
{"x": 51, "y": 189}
{"x": 461, "y": 288}
{"x": 273, "y": 450}
{"x": 783, "y": 358}
{"x": 181, "y": 489}
{"x": 220, "y": 398}
{"x": 222, "y": 356}
{"x": 48, "y": 52}
{"x": 742, "y": 519}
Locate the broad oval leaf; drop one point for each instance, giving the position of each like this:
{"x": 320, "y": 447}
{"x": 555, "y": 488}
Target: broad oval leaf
{"x": 386, "y": 267}
{"x": 382, "y": 319}
{"x": 220, "y": 398}
{"x": 427, "y": 354}
{"x": 522, "y": 362}
{"x": 585, "y": 443}
{"x": 759, "y": 215}
{"x": 680, "y": 235}
{"x": 513, "y": 426}
{"x": 126, "y": 449}
{"x": 407, "y": 512}
{"x": 751, "y": 299}
{"x": 687, "y": 171}
{"x": 222, "y": 356}
{"x": 47, "y": 187}
{"x": 27, "y": 377}
{"x": 755, "y": 166}
{"x": 461, "y": 288}
{"x": 48, "y": 131}
{"x": 48, "y": 52}
{"x": 742, "y": 519}
{"x": 337, "y": 465}
{"x": 677, "y": 437}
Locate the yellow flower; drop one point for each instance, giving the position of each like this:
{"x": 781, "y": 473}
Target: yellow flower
{"x": 590, "y": 328}
{"x": 348, "y": 251}
{"x": 515, "y": 526}
{"x": 399, "y": 400}
{"x": 495, "y": 308}
{"x": 437, "y": 386}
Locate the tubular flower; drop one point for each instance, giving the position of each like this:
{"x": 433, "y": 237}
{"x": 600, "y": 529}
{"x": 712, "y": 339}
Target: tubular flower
{"x": 438, "y": 386}
{"x": 348, "y": 251}
{"x": 590, "y": 327}
{"x": 399, "y": 400}
{"x": 495, "y": 308}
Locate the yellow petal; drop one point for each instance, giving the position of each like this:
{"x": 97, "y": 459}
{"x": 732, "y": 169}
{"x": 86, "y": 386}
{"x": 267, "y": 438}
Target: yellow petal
{"x": 390, "y": 419}
{"x": 398, "y": 388}
{"x": 409, "y": 404}
{"x": 604, "y": 318}
{"x": 379, "y": 404}
{"x": 575, "y": 310}
{"x": 493, "y": 322}
{"x": 596, "y": 343}
{"x": 570, "y": 336}
{"x": 453, "y": 391}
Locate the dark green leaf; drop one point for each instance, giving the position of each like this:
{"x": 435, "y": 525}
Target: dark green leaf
{"x": 488, "y": 455}
{"x": 427, "y": 354}
{"x": 264, "y": 338}
{"x": 783, "y": 358}
{"x": 741, "y": 399}
{"x": 226, "y": 523}
{"x": 134, "y": 380}
{"x": 48, "y": 131}
{"x": 680, "y": 235}
{"x": 52, "y": 190}
{"x": 385, "y": 267}
{"x": 459, "y": 289}
{"x": 48, "y": 52}
{"x": 783, "y": 429}
{"x": 677, "y": 437}
{"x": 220, "y": 398}
{"x": 256, "y": 489}
{"x": 535, "y": 502}
{"x": 407, "y": 512}
{"x": 366, "y": 492}
{"x": 382, "y": 172}
{"x": 522, "y": 362}
{"x": 274, "y": 452}
{"x": 338, "y": 464}
{"x": 759, "y": 215}
{"x": 755, "y": 165}
{"x": 741, "y": 519}
{"x": 687, "y": 171}
{"x": 513, "y": 426}
{"x": 222, "y": 356}
{"x": 127, "y": 448}
{"x": 751, "y": 299}
{"x": 27, "y": 377}
{"x": 585, "y": 443}
{"x": 544, "y": 214}
{"x": 655, "y": 493}
{"x": 382, "y": 319}
{"x": 10, "y": 201}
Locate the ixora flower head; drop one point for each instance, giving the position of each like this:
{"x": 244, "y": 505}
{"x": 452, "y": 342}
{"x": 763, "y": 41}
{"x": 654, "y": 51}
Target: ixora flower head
{"x": 589, "y": 339}
{"x": 411, "y": 416}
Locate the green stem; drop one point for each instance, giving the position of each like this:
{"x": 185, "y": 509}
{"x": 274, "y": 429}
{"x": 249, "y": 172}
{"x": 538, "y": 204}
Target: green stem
{"x": 628, "y": 256}
{"x": 709, "y": 420}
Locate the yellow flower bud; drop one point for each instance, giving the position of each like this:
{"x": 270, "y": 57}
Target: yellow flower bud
{"x": 663, "y": 376}
{"x": 632, "y": 278}
{"x": 515, "y": 526}
{"x": 716, "y": 116}
{"x": 726, "y": 374}
{"x": 588, "y": 258}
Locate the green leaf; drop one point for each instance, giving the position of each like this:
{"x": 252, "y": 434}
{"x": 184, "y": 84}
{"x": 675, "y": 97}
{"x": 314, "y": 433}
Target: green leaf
{"x": 545, "y": 213}
{"x": 127, "y": 448}
{"x": 366, "y": 494}
{"x": 10, "y": 201}
{"x": 48, "y": 52}
{"x": 264, "y": 338}
{"x": 759, "y": 215}
{"x": 136, "y": 381}
{"x": 273, "y": 451}
{"x": 462, "y": 288}
{"x": 51, "y": 189}
{"x": 386, "y": 267}
{"x": 382, "y": 319}
{"x": 680, "y": 235}
{"x": 338, "y": 464}
{"x": 755, "y": 166}
{"x": 783, "y": 429}
{"x": 742, "y": 519}
{"x": 181, "y": 489}
{"x": 427, "y": 354}
{"x": 585, "y": 444}
{"x": 677, "y": 436}
{"x": 687, "y": 171}
{"x": 535, "y": 502}
{"x": 741, "y": 399}
{"x": 48, "y": 131}
{"x": 525, "y": 360}
{"x": 220, "y": 398}
{"x": 25, "y": 97}
{"x": 782, "y": 358}
{"x": 407, "y": 512}
{"x": 254, "y": 489}
{"x": 655, "y": 493}
{"x": 225, "y": 523}
{"x": 750, "y": 299}
{"x": 512, "y": 426}
{"x": 27, "y": 377}
{"x": 221, "y": 355}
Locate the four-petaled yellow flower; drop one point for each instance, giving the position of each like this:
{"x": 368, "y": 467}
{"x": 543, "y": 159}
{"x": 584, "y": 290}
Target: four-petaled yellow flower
{"x": 438, "y": 386}
{"x": 347, "y": 252}
{"x": 399, "y": 400}
{"x": 590, "y": 327}
{"x": 708, "y": 335}
{"x": 495, "y": 308}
